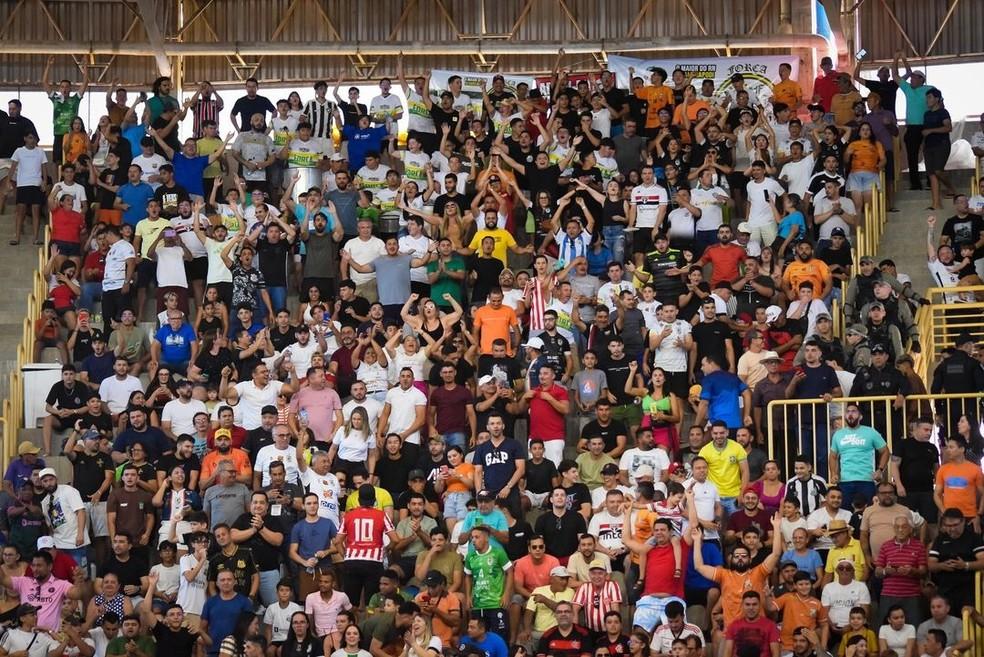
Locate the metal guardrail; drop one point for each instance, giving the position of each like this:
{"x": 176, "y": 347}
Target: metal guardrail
{"x": 13, "y": 407}
{"x": 869, "y": 232}
{"x": 971, "y": 630}
{"x": 793, "y": 425}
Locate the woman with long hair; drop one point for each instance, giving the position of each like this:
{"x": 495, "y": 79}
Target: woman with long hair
{"x": 301, "y": 641}
{"x": 405, "y": 351}
{"x": 452, "y": 223}
{"x": 354, "y": 444}
{"x": 614, "y": 215}
{"x": 138, "y": 399}
{"x": 865, "y": 158}
{"x": 75, "y": 142}
{"x": 234, "y": 645}
{"x": 896, "y": 634}
{"x": 99, "y": 143}
{"x": 304, "y": 308}
{"x": 936, "y": 146}
{"x": 221, "y": 310}
{"x": 351, "y": 639}
{"x": 161, "y": 389}
{"x": 770, "y": 488}
{"x": 662, "y": 409}
{"x": 639, "y": 643}
{"x": 970, "y": 430}
{"x": 173, "y": 497}
{"x": 212, "y": 358}
{"x": 422, "y": 642}
{"x": 829, "y": 141}
{"x": 792, "y": 225}
{"x": 769, "y": 266}
{"x": 429, "y": 319}
{"x": 295, "y": 106}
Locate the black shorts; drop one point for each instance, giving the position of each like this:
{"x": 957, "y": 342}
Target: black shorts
{"x": 146, "y": 273}
{"x": 196, "y": 269}
{"x": 57, "y": 151}
{"x": 31, "y": 195}
{"x": 68, "y": 248}
{"x": 642, "y": 240}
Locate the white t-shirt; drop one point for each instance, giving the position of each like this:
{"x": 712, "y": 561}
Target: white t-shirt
{"x": 823, "y": 204}
{"x": 100, "y": 641}
{"x": 191, "y": 595}
{"x": 647, "y": 201}
{"x": 711, "y": 215}
{"x": 75, "y": 190}
{"x": 759, "y": 193}
{"x": 418, "y": 248}
{"x": 354, "y": 446}
{"x": 382, "y": 106}
{"x": 149, "y": 165}
{"x": 403, "y": 410}
{"x": 170, "y": 266}
{"x": 30, "y": 166}
{"x": 328, "y": 491}
{"x": 372, "y": 179}
{"x": 606, "y": 527}
{"x": 669, "y": 355}
{"x": 253, "y": 399}
{"x": 821, "y": 518}
{"x": 59, "y": 511}
{"x": 840, "y": 598}
{"x": 181, "y": 415}
{"x": 16, "y": 640}
{"x": 117, "y": 393}
{"x": 414, "y": 167}
{"x": 798, "y": 175}
{"x": 185, "y": 228}
{"x": 301, "y": 355}
{"x": 601, "y": 120}
{"x": 169, "y": 577}
{"x": 816, "y": 308}
{"x": 217, "y": 270}
{"x": 278, "y": 618}
{"x": 114, "y": 274}
{"x": 363, "y": 252}
{"x": 253, "y": 147}
{"x": 272, "y": 454}
{"x": 946, "y": 278}
{"x": 897, "y": 639}
{"x": 706, "y": 498}
{"x": 682, "y": 225}
{"x": 418, "y": 116}
{"x": 373, "y": 408}
{"x": 633, "y": 459}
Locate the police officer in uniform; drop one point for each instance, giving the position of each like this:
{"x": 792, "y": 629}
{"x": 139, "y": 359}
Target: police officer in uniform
{"x": 958, "y": 374}
{"x": 882, "y": 379}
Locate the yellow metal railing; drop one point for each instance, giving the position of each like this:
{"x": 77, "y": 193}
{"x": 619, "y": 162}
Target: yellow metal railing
{"x": 786, "y": 419}
{"x": 871, "y": 226}
{"x": 13, "y": 407}
{"x": 972, "y": 631}
{"x": 942, "y": 321}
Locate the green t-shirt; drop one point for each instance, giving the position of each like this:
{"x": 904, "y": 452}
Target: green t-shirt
{"x": 65, "y": 109}
{"x": 444, "y": 283}
{"x": 144, "y": 643}
{"x": 488, "y": 573}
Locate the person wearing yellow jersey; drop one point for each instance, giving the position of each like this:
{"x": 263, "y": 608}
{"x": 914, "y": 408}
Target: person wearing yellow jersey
{"x": 727, "y": 465}
{"x": 384, "y": 501}
{"x": 787, "y": 91}
{"x": 416, "y": 163}
{"x": 372, "y": 175}
{"x": 420, "y": 123}
{"x": 503, "y": 239}
{"x": 208, "y": 143}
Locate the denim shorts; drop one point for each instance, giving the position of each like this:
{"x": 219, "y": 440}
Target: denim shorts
{"x": 862, "y": 181}
{"x": 455, "y": 505}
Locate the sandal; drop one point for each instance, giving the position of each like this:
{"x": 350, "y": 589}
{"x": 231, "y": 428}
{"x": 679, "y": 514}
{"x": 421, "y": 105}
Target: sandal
{"x": 13, "y": 242}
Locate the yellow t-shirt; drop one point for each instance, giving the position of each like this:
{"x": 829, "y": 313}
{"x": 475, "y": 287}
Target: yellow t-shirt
{"x": 545, "y": 618}
{"x": 383, "y": 500}
{"x": 788, "y": 92}
{"x": 853, "y": 552}
{"x": 207, "y": 146}
{"x": 503, "y": 240}
{"x": 722, "y": 467}
{"x": 148, "y": 230}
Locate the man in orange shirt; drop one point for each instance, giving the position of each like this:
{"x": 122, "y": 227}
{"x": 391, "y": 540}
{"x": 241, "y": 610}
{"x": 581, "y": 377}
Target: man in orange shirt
{"x": 741, "y": 576}
{"x": 960, "y": 483}
{"x": 225, "y": 458}
{"x": 687, "y": 113}
{"x": 724, "y": 257}
{"x": 807, "y": 268}
{"x": 656, "y": 95}
{"x": 495, "y": 321}
{"x": 787, "y": 91}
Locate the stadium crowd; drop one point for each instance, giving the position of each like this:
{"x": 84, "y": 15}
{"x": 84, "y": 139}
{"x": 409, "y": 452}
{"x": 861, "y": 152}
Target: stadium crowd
{"x": 520, "y": 405}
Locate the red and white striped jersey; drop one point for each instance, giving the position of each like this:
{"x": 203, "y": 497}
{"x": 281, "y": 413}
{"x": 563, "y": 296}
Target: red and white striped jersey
{"x": 364, "y": 531}
{"x": 597, "y": 602}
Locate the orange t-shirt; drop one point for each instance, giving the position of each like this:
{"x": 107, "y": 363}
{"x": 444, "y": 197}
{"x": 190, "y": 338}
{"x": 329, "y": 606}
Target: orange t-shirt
{"x": 734, "y": 585}
{"x": 642, "y": 527}
{"x": 448, "y": 603}
{"x": 960, "y": 482}
{"x": 238, "y": 458}
{"x": 815, "y": 270}
{"x": 692, "y": 110}
{"x": 798, "y": 612}
{"x": 530, "y": 575}
{"x": 788, "y": 92}
{"x": 466, "y": 470}
{"x": 864, "y": 155}
{"x": 658, "y": 98}
{"x": 494, "y": 324}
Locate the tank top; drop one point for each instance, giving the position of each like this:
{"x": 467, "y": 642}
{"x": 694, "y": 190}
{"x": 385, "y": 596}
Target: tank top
{"x": 435, "y": 334}
{"x": 613, "y": 209}
{"x": 114, "y": 605}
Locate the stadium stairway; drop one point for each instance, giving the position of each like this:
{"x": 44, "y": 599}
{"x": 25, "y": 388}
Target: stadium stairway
{"x": 17, "y": 265}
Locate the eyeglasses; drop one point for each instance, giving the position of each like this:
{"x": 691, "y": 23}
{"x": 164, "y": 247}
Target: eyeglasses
{"x": 538, "y": 547}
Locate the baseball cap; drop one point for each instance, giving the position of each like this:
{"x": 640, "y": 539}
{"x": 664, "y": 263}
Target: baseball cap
{"x": 876, "y": 304}
{"x": 838, "y": 232}
{"x": 45, "y": 542}
{"x": 185, "y": 382}
{"x": 882, "y": 281}
{"x": 866, "y": 259}
{"x": 823, "y": 315}
{"x": 46, "y": 472}
{"x": 559, "y": 571}
{"x": 434, "y": 578}
{"x": 91, "y": 434}
{"x": 609, "y": 469}
{"x": 772, "y": 313}
{"x": 676, "y": 468}
{"x": 963, "y": 338}
{"x": 488, "y": 378}
{"x": 219, "y": 433}
{"x": 858, "y": 329}
{"x": 484, "y": 496}
{"x": 768, "y": 356}
{"x": 879, "y": 349}
{"x": 787, "y": 564}
{"x": 744, "y": 227}
{"x": 919, "y": 73}
{"x": 534, "y": 343}
{"x": 330, "y": 377}
{"x": 27, "y": 447}
{"x": 416, "y": 473}
{"x": 25, "y": 609}
{"x": 597, "y": 563}
{"x": 269, "y": 409}
{"x": 644, "y": 471}
{"x": 337, "y": 157}
{"x": 303, "y": 328}
{"x": 97, "y": 336}
{"x": 815, "y": 107}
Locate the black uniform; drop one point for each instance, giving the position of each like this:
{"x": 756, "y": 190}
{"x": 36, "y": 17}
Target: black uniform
{"x": 667, "y": 287}
{"x": 958, "y": 374}
{"x": 887, "y": 382}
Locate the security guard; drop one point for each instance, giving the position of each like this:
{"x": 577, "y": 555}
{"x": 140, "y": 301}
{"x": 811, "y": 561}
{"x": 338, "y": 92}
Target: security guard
{"x": 958, "y": 374}
{"x": 882, "y": 379}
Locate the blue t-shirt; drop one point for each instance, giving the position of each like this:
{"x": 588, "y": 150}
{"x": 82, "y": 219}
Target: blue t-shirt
{"x": 496, "y": 520}
{"x": 18, "y": 471}
{"x": 498, "y": 463}
{"x": 808, "y": 562}
{"x": 188, "y": 172}
{"x": 175, "y": 345}
{"x": 492, "y": 645}
{"x": 819, "y": 381}
{"x": 312, "y": 537}
{"x": 915, "y": 102}
{"x": 153, "y": 439}
{"x": 856, "y": 448}
{"x": 361, "y": 142}
{"x": 722, "y": 390}
{"x": 136, "y": 196}
{"x": 712, "y": 557}
{"x": 790, "y": 220}
{"x": 133, "y": 134}
{"x": 222, "y": 616}
{"x": 98, "y": 367}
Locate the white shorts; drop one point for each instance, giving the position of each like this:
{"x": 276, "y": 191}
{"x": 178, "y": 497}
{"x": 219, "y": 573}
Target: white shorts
{"x": 765, "y": 234}
{"x": 97, "y": 519}
{"x": 536, "y": 499}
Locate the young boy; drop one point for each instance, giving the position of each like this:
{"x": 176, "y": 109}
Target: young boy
{"x": 671, "y": 508}
{"x": 28, "y": 171}
{"x": 276, "y": 619}
{"x": 47, "y": 333}
{"x": 168, "y": 577}
{"x": 805, "y": 486}
{"x": 589, "y": 386}
{"x": 67, "y": 230}
{"x": 800, "y": 609}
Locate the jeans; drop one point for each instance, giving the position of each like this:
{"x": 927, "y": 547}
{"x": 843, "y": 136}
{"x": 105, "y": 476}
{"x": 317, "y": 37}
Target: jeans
{"x": 851, "y": 489}
{"x": 81, "y": 556}
{"x": 268, "y": 586}
{"x": 91, "y": 292}
{"x": 729, "y": 504}
{"x": 835, "y": 293}
{"x": 278, "y": 298}
{"x": 814, "y": 437}
{"x": 615, "y": 240}
{"x": 705, "y": 238}
{"x": 455, "y": 439}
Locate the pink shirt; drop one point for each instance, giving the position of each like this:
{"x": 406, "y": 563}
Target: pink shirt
{"x": 324, "y": 613}
{"x": 320, "y": 406}
{"x": 47, "y": 595}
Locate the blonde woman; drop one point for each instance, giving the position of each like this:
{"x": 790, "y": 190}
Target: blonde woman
{"x": 422, "y": 643}
{"x": 353, "y": 443}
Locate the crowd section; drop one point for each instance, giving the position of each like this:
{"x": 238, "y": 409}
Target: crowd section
{"x": 500, "y": 388}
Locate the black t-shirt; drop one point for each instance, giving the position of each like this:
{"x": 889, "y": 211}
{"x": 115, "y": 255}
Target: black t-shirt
{"x": 168, "y": 462}
{"x": 463, "y": 201}
{"x": 245, "y": 107}
{"x": 83, "y": 345}
{"x": 209, "y": 326}
{"x": 129, "y": 571}
{"x": 464, "y": 373}
{"x": 615, "y": 98}
{"x": 393, "y": 473}
{"x": 359, "y": 306}
{"x": 499, "y": 406}
{"x": 351, "y": 113}
{"x": 179, "y": 644}
{"x": 257, "y": 439}
{"x": 617, "y": 372}
{"x": 89, "y": 473}
{"x": 913, "y": 456}
{"x": 837, "y": 258}
{"x": 887, "y": 91}
{"x": 211, "y": 364}
{"x": 710, "y": 339}
{"x": 267, "y": 556}
{"x": 280, "y": 340}
{"x": 68, "y": 398}
{"x": 555, "y": 349}
{"x": 608, "y": 433}
{"x": 505, "y": 370}
{"x": 241, "y": 563}
{"x": 487, "y": 272}
{"x": 964, "y": 229}
{"x": 110, "y": 177}
{"x": 577, "y": 494}
{"x": 432, "y": 469}
{"x": 273, "y": 261}
{"x": 543, "y": 180}
{"x": 519, "y": 535}
{"x": 101, "y": 422}
{"x": 169, "y": 199}
{"x": 568, "y": 119}
{"x": 561, "y": 534}
{"x": 540, "y": 476}
{"x": 441, "y": 117}
{"x": 400, "y": 501}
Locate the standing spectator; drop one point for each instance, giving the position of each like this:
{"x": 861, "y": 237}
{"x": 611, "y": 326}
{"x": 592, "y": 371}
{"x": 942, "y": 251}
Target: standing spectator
{"x": 814, "y": 379}
{"x": 720, "y": 393}
{"x": 500, "y": 463}
{"x": 489, "y": 582}
{"x": 936, "y": 129}
{"x": 548, "y": 405}
{"x": 854, "y": 450}
{"x": 955, "y": 551}
{"x": 362, "y": 534}
{"x": 913, "y": 86}
{"x": 64, "y": 513}
{"x": 28, "y": 174}
{"x": 65, "y": 106}
{"x": 252, "y": 103}
{"x": 959, "y": 483}
{"x": 727, "y": 465}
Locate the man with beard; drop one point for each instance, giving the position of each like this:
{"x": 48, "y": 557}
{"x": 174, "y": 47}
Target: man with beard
{"x": 320, "y": 265}
{"x": 170, "y": 632}
{"x": 152, "y": 438}
{"x": 503, "y": 239}
{"x": 880, "y": 379}
{"x": 853, "y": 452}
{"x": 316, "y": 406}
{"x": 807, "y": 268}
{"x": 179, "y": 414}
{"x": 255, "y": 151}
{"x": 44, "y": 591}
{"x": 64, "y": 513}
{"x": 724, "y": 257}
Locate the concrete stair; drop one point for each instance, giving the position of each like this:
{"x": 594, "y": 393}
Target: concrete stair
{"x": 16, "y": 265}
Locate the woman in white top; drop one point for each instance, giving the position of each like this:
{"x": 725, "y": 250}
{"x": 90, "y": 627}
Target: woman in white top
{"x": 369, "y": 362}
{"x": 409, "y": 354}
{"x": 353, "y": 443}
{"x": 304, "y": 308}
{"x": 422, "y": 642}
{"x": 350, "y": 644}
{"x": 896, "y": 634}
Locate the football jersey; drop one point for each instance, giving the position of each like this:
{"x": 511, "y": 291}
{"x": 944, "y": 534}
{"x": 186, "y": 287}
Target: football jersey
{"x": 364, "y": 531}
